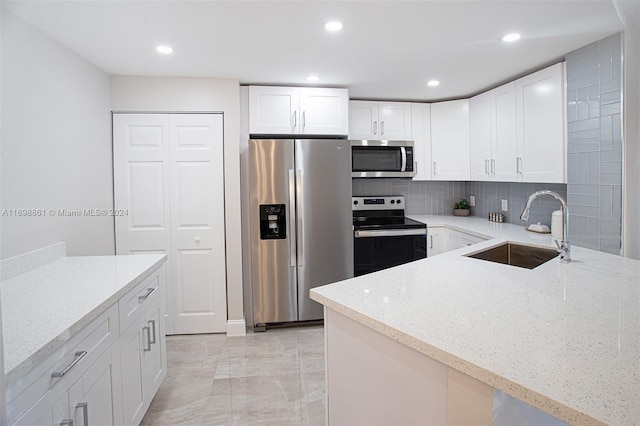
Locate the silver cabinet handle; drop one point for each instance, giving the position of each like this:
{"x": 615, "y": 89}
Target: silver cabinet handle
{"x": 148, "y": 348}
{"x": 149, "y": 291}
{"x": 493, "y": 166}
{"x": 295, "y": 119}
{"x": 375, "y": 127}
{"x": 66, "y": 422}
{"x": 519, "y": 165}
{"x": 78, "y": 356}
{"x": 153, "y": 331}
{"x": 304, "y": 119}
{"x": 85, "y": 412}
{"x": 382, "y": 127}
{"x": 434, "y": 168}
{"x": 431, "y": 236}
{"x": 486, "y": 167}
{"x": 292, "y": 217}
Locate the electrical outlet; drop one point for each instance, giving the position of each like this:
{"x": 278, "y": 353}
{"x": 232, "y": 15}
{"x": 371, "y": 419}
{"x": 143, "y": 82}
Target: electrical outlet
{"x": 472, "y": 200}
{"x": 505, "y": 207}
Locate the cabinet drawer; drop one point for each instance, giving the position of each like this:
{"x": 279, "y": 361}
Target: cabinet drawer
{"x": 135, "y": 302}
{"x": 67, "y": 364}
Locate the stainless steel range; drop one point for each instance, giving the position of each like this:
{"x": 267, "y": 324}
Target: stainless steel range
{"x": 383, "y": 237}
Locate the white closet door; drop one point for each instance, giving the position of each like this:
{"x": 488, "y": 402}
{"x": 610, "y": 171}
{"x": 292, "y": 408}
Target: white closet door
{"x": 198, "y": 290}
{"x": 141, "y": 183}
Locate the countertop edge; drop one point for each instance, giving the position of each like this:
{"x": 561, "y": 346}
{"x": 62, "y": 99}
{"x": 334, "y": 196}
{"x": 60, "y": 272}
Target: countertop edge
{"x": 542, "y": 402}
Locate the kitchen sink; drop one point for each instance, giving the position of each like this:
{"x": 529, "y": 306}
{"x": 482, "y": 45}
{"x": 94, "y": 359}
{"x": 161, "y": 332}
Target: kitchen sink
{"x": 516, "y": 255}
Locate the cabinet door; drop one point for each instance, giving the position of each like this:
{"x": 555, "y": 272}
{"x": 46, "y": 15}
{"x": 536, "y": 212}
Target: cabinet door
{"x": 421, "y": 135}
{"x": 540, "y": 126}
{"x": 131, "y": 361}
{"x": 197, "y": 288}
{"x": 154, "y": 362}
{"x": 437, "y": 239}
{"x": 95, "y": 399}
{"x": 274, "y": 110}
{"x": 363, "y": 120}
{"x": 450, "y": 140}
{"x": 395, "y": 120}
{"x": 324, "y": 111}
{"x": 503, "y": 141}
{"x": 480, "y": 137}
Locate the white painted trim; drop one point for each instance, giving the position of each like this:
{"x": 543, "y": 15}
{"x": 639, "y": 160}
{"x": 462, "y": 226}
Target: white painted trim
{"x": 236, "y": 328}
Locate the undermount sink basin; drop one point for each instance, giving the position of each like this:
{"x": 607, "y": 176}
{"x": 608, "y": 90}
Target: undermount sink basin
{"x": 516, "y": 255}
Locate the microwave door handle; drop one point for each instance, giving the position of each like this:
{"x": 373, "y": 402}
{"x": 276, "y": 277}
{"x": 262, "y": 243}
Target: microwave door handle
{"x": 403, "y": 153}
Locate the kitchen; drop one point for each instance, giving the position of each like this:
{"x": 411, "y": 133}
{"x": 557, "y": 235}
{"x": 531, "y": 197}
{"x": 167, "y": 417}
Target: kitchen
{"x": 86, "y": 174}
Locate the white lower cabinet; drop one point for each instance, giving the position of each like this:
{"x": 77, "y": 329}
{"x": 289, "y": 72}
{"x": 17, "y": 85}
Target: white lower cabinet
{"x": 104, "y": 376}
{"x": 457, "y": 239}
{"x": 436, "y": 240}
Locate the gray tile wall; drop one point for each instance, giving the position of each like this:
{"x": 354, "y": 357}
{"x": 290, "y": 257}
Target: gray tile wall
{"x": 489, "y": 196}
{"x": 594, "y": 96}
{"x": 422, "y": 197}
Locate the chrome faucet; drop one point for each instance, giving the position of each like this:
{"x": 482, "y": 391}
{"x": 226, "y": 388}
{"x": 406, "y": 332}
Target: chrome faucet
{"x": 564, "y": 246}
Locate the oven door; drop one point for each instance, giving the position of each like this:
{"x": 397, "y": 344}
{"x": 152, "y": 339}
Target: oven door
{"x": 380, "y": 249}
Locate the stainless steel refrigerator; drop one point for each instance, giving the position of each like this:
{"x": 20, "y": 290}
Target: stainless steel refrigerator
{"x": 301, "y": 224}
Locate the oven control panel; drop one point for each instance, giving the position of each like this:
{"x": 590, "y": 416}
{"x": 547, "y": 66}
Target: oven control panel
{"x": 389, "y": 202}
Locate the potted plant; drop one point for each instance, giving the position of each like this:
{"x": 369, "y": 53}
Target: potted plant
{"x": 461, "y": 208}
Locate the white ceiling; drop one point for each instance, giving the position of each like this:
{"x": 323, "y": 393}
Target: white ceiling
{"x": 387, "y": 49}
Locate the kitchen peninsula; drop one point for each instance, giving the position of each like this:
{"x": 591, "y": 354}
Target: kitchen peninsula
{"x": 430, "y": 341}
{"x": 83, "y": 336}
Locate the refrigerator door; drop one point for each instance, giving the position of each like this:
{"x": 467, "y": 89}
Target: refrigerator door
{"x": 324, "y": 222}
{"x": 273, "y": 233}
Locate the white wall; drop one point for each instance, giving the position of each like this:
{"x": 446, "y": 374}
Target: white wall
{"x": 176, "y": 94}
{"x": 56, "y": 144}
{"x": 630, "y": 14}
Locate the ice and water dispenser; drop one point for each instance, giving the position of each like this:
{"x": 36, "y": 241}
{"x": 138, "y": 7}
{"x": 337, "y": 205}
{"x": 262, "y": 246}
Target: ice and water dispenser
{"x": 273, "y": 225}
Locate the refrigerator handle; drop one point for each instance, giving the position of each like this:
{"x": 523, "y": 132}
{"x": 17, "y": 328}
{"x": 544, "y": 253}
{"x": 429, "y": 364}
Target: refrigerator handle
{"x": 300, "y": 214}
{"x": 292, "y": 217}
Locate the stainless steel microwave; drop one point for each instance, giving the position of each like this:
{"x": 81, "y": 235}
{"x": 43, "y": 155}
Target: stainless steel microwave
{"x": 380, "y": 159}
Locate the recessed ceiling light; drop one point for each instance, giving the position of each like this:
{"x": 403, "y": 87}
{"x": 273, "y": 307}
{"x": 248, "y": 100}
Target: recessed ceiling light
{"x": 511, "y": 37}
{"x": 165, "y": 50}
{"x": 313, "y": 78}
{"x": 433, "y": 83}
{"x": 333, "y": 26}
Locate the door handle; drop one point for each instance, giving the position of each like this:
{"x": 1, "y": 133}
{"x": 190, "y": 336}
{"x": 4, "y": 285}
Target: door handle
{"x": 300, "y": 210}
{"x": 382, "y": 128}
{"x": 148, "y": 348}
{"x": 486, "y": 167}
{"x": 493, "y": 166}
{"x": 78, "y": 356}
{"x": 85, "y": 412}
{"x": 292, "y": 217}
{"x": 434, "y": 168}
{"x": 304, "y": 119}
{"x": 295, "y": 119}
{"x": 375, "y": 127}
{"x": 431, "y": 237}
{"x": 153, "y": 328}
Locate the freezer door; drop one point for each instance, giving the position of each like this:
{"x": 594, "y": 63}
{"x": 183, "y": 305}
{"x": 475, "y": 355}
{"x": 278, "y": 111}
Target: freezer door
{"x": 324, "y": 221}
{"x": 273, "y": 262}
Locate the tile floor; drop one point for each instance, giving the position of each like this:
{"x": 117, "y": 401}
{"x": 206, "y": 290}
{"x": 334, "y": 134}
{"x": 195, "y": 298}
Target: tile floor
{"x": 270, "y": 378}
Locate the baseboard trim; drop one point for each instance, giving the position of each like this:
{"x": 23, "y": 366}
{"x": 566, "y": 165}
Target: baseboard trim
{"x": 236, "y": 328}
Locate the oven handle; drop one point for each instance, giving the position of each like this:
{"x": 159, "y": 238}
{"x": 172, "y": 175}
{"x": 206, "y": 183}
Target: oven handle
{"x": 390, "y": 233}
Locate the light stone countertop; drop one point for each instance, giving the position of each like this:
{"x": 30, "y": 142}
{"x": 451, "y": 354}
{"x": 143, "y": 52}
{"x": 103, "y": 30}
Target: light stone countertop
{"x": 563, "y": 337}
{"x": 43, "y": 308}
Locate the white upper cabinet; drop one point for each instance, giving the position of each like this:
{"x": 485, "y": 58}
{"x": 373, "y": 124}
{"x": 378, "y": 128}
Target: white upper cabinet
{"x": 380, "y": 120}
{"x": 492, "y": 125}
{"x": 421, "y": 135}
{"x": 541, "y": 141}
{"x": 298, "y": 110}
{"x": 450, "y": 140}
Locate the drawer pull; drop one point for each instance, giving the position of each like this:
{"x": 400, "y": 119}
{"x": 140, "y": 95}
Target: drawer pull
{"x": 153, "y": 331}
{"x": 149, "y": 291}
{"x": 66, "y": 422}
{"x": 78, "y": 356}
{"x": 148, "y": 339}
{"x": 85, "y": 412}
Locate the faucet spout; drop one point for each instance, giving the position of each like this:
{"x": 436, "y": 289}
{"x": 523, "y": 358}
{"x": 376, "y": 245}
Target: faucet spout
{"x": 564, "y": 246}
